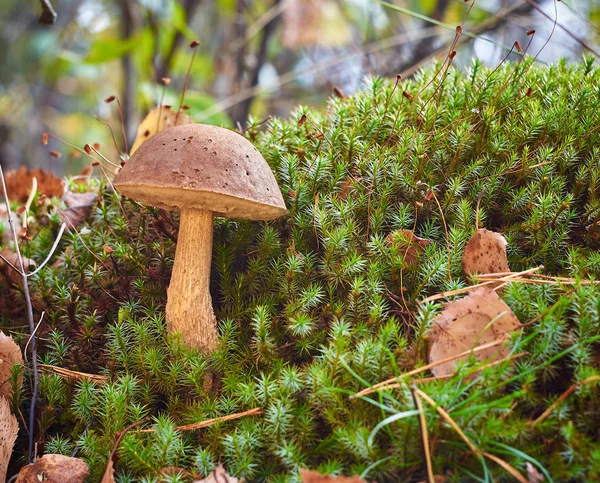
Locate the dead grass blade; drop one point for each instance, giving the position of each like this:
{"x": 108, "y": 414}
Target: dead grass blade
{"x": 423, "y": 380}
{"x": 424, "y": 436}
{"x": 562, "y": 397}
{"x": 506, "y": 278}
{"x": 69, "y": 374}
{"x": 518, "y": 476}
{"x": 210, "y": 422}
{"x": 382, "y": 384}
{"x": 464, "y": 437}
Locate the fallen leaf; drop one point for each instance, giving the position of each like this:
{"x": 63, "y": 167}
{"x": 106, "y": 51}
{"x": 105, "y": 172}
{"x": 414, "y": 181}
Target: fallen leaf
{"x": 55, "y": 468}
{"x": 218, "y": 475}
{"x": 9, "y": 428}
{"x": 109, "y": 473}
{"x": 479, "y": 318}
{"x": 19, "y": 182}
{"x": 485, "y": 253}
{"x": 79, "y": 208}
{"x": 159, "y": 118}
{"x": 10, "y": 355}
{"x": 408, "y": 244}
{"x": 311, "y": 476}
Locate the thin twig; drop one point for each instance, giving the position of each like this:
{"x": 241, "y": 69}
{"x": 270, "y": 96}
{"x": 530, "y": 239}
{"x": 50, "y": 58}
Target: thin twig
{"x": 562, "y": 397}
{"x": 32, "y": 335}
{"x": 5, "y": 260}
{"x": 423, "y": 380}
{"x": 507, "y": 278}
{"x": 52, "y": 250}
{"x": 210, "y": 422}
{"x": 29, "y": 317}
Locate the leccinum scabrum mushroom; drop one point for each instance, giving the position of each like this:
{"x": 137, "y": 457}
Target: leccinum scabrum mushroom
{"x": 202, "y": 171}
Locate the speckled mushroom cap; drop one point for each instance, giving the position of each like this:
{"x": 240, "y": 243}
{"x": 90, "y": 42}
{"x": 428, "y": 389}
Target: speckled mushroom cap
{"x": 203, "y": 167}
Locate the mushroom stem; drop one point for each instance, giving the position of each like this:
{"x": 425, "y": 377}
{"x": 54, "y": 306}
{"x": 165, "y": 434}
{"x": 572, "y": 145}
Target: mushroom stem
{"x": 189, "y": 306}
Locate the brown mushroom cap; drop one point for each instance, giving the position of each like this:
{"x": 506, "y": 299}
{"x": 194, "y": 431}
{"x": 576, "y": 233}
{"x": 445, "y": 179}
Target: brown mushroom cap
{"x": 203, "y": 167}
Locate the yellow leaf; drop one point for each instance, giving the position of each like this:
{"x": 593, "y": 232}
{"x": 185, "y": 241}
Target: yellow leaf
{"x": 158, "y": 119}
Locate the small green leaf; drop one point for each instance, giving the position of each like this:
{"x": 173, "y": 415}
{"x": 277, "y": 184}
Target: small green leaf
{"x": 105, "y": 50}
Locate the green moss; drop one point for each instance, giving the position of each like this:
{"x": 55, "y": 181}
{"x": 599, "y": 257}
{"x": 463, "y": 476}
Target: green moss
{"x": 316, "y": 306}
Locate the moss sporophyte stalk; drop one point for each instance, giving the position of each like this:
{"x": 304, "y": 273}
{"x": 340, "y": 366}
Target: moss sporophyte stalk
{"x": 327, "y": 301}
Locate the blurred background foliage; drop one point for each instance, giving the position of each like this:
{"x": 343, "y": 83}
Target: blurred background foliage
{"x": 256, "y": 57}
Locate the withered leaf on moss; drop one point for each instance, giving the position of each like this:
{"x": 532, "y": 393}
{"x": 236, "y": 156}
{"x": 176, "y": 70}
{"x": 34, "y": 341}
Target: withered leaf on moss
{"x": 79, "y": 208}
{"x": 408, "y": 244}
{"x": 19, "y": 182}
{"x": 9, "y": 428}
{"x": 10, "y": 355}
{"x": 485, "y": 253}
{"x": 56, "y": 468}
{"x": 477, "y": 319}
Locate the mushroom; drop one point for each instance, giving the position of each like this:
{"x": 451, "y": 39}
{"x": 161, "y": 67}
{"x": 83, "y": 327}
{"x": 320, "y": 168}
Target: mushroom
{"x": 203, "y": 171}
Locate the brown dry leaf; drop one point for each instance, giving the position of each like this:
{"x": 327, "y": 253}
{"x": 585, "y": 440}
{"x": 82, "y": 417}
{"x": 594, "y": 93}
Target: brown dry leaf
{"x": 312, "y": 476}
{"x": 9, "y": 427}
{"x": 409, "y": 245}
{"x": 159, "y": 118}
{"x": 109, "y": 474}
{"x": 10, "y": 355}
{"x": 19, "y": 182}
{"x": 218, "y": 475}
{"x": 55, "y": 468}
{"x": 485, "y": 253}
{"x": 79, "y": 207}
{"x": 472, "y": 321}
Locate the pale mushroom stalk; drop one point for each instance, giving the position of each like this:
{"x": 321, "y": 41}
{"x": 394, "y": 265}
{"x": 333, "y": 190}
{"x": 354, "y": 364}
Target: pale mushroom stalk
{"x": 189, "y": 308}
